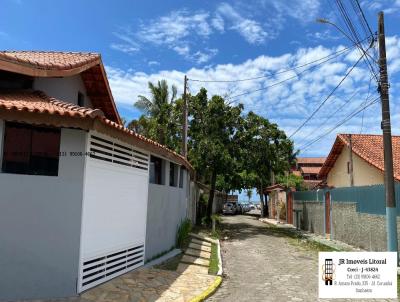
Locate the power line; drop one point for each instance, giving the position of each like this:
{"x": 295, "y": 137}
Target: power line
{"x": 327, "y": 98}
{"x": 349, "y": 117}
{"x": 276, "y": 73}
{"x": 284, "y": 80}
{"x": 353, "y": 31}
{"x": 331, "y": 115}
{"x": 368, "y": 94}
{"x": 363, "y": 17}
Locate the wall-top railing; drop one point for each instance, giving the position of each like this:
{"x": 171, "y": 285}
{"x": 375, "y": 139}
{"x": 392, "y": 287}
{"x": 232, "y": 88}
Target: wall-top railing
{"x": 368, "y": 199}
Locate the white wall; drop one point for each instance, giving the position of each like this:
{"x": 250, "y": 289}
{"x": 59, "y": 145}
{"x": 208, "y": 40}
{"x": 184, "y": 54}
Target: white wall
{"x": 65, "y": 89}
{"x": 364, "y": 174}
{"x": 167, "y": 208}
{"x": 40, "y": 227}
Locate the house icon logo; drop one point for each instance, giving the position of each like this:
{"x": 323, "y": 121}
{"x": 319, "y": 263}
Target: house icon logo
{"x": 328, "y": 271}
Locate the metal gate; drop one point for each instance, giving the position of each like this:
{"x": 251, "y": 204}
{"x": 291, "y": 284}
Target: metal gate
{"x": 114, "y": 210}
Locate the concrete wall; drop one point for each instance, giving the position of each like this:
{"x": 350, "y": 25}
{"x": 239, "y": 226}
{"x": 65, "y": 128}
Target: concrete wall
{"x": 311, "y": 216}
{"x": 40, "y": 220}
{"x": 362, "y": 230}
{"x": 65, "y": 89}
{"x": 364, "y": 174}
{"x": 167, "y": 208}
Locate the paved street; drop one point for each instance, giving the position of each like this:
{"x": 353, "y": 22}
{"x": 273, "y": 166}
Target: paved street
{"x": 261, "y": 265}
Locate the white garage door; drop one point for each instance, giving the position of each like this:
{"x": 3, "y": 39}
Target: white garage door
{"x": 114, "y": 210}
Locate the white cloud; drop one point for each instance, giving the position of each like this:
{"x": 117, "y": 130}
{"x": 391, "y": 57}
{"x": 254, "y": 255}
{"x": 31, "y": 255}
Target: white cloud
{"x": 178, "y": 31}
{"x": 388, "y": 6}
{"x": 249, "y": 29}
{"x": 153, "y": 63}
{"x": 290, "y": 103}
{"x": 218, "y": 23}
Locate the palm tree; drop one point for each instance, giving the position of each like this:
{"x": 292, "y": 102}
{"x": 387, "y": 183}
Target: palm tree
{"x": 158, "y": 106}
{"x": 249, "y": 194}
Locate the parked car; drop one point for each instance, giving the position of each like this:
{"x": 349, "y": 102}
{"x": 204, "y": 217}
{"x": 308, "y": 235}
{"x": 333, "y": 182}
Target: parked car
{"x": 229, "y": 208}
{"x": 246, "y": 207}
{"x": 239, "y": 209}
{"x": 252, "y": 207}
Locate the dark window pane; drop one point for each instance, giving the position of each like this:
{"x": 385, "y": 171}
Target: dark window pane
{"x": 45, "y": 151}
{"x": 81, "y": 99}
{"x": 16, "y": 149}
{"x": 181, "y": 175}
{"x": 31, "y": 150}
{"x": 156, "y": 170}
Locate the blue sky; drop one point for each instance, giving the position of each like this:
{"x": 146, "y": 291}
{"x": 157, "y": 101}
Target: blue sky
{"x": 143, "y": 41}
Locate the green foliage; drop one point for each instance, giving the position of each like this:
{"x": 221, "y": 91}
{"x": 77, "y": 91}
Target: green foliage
{"x": 183, "y": 232}
{"x": 291, "y": 181}
{"x": 162, "y": 116}
{"x": 249, "y": 194}
{"x": 211, "y": 142}
{"x": 213, "y": 267}
{"x": 265, "y": 151}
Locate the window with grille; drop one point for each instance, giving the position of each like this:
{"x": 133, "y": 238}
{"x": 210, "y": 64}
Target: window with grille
{"x": 117, "y": 153}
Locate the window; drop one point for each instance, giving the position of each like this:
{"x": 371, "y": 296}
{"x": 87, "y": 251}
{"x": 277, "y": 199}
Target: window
{"x": 156, "y": 170}
{"x": 181, "y": 176}
{"x": 348, "y": 167}
{"x": 30, "y": 150}
{"x": 81, "y": 99}
{"x": 173, "y": 175}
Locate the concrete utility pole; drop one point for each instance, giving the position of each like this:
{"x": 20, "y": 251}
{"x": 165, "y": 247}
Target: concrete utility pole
{"x": 351, "y": 162}
{"x": 185, "y": 119}
{"x": 383, "y": 89}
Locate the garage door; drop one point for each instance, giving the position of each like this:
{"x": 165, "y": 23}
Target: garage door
{"x": 114, "y": 210}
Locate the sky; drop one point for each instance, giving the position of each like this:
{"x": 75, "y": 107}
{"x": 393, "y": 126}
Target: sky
{"x": 142, "y": 41}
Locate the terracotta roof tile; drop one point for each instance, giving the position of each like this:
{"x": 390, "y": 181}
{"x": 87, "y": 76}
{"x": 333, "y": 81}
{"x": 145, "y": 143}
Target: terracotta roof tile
{"x": 50, "y": 60}
{"x": 310, "y": 170}
{"x": 310, "y": 160}
{"x": 369, "y": 147}
{"x": 37, "y": 101}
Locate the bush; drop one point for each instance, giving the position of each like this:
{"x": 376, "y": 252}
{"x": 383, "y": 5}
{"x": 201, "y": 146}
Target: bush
{"x": 183, "y": 232}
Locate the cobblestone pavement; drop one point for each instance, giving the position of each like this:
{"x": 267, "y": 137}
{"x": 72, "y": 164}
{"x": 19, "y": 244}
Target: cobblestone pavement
{"x": 146, "y": 285}
{"x": 261, "y": 265}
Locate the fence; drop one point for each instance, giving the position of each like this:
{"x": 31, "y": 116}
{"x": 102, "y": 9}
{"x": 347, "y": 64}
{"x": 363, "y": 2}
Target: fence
{"x": 369, "y": 199}
{"x": 355, "y": 215}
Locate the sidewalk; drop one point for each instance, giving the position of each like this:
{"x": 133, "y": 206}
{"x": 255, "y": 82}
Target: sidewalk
{"x": 335, "y": 244}
{"x": 191, "y": 282}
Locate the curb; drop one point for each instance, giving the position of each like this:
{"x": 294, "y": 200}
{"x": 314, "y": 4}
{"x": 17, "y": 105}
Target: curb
{"x": 219, "y": 258}
{"x": 209, "y": 291}
{"x": 163, "y": 258}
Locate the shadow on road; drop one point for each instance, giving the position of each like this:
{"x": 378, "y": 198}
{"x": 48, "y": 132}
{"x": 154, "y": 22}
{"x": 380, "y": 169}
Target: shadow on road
{"x": 240, "y": 227}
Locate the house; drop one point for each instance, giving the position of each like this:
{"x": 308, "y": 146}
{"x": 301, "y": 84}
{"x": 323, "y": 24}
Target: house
{"x": 82, "y": 198}
{"x": 275, "y": 201}
{"x": 365, "y": 151}
{"x": 308, "y": 168}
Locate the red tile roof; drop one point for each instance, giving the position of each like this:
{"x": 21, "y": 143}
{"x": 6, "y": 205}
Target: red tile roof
{"x": 369, "y": 147}
{"x": 310, "y": 160}
{"x": 63, "y": 64}
{"x": 50, "y": 60}
{"x": 38, "y": 108}
{"x": 37, "y": 101}
{"x": 310, "y": 170}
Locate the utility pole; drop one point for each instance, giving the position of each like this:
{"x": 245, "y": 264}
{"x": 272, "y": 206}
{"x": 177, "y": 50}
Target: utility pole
{"x": 351, "y": 162}
{"x": 185, "y": 119}
{"x": 383, "y": 88}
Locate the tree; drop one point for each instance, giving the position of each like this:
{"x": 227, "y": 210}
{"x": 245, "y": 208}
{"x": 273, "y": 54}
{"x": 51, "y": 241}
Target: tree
{"x": 265, "y": 149}
{"x": 211, "y": 150}
{"x": 158, "y": 107}
{"x": 249, "y": 194}
{"x": 292, "y": 181}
